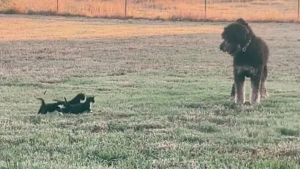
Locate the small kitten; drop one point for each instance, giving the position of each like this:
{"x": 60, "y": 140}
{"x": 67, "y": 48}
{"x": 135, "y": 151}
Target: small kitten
{"x": 80, "y": 107}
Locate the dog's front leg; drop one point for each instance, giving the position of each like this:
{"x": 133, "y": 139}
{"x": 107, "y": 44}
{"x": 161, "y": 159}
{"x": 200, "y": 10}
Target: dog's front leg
{"x": 239, "y": 81}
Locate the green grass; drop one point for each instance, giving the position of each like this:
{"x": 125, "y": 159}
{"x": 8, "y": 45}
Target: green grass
{"x": 161, "y": 102}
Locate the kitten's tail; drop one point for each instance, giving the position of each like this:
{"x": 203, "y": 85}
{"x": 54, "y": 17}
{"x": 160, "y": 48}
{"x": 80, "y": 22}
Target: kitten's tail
{"x": 43, "y": 104}
{"x": 65, "y": 100}
{"x": 42, "y": 100}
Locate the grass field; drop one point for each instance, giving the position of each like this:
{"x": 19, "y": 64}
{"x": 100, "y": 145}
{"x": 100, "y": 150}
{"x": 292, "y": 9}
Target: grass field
{"x": 161, "y": 88}
{"x": 217, "y": 10}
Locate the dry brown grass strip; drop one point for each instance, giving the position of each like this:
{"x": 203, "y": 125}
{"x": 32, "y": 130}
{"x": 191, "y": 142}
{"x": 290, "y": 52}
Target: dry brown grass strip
{"x": 251, "y": 10}
{"x": 43, "y": 28}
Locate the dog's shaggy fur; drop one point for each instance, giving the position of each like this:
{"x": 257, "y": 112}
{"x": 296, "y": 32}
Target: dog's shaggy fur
{"x": 50, "y": 107}
{"x": 250, "y": 56}
{"x": 80, "y": 107}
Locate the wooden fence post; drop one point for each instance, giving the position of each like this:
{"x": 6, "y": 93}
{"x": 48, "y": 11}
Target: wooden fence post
{"x": 125, "y": 6}
{"x": 205, "y": 9}
{"x": 56, "y": 6}
{"x": 298, "y": 8}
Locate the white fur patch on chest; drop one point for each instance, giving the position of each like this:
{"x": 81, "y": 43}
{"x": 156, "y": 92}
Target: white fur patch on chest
{"x": 245, "y": 69}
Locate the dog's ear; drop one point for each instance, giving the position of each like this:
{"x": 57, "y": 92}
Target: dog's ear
{"x": 242, "y": 21}
{"x": 241, "y": 33}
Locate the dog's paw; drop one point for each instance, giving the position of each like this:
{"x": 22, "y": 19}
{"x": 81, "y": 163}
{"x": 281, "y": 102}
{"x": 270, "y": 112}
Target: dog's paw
{"x": 265, "y": 95}
{"x": 247, "y": 103}
{"x": 232, "y": 99}
{"x": 255, "y": 103}
{"x": 239, "y": 102}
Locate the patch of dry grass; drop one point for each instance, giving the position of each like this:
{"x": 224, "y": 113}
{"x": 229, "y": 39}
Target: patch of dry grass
{"x": 252, "y": 10}
{"x": 55, "y": 28}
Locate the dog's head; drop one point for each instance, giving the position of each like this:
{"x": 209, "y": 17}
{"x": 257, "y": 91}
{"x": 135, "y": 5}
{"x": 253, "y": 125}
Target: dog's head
{"x": 236, "y": 37}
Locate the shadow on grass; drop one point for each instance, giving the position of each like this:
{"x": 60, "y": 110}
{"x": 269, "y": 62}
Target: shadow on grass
{"x": 192, "y": 139}
{"x": 288, "y": 132}
{"x": 120, "y": 127}
{"x": 193, "y": 105}
{"x": 107, "y": 157}
{"x": 204, "y": 127}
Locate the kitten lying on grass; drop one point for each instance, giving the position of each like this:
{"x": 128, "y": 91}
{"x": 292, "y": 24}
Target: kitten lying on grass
{"x": 80, "y": 107}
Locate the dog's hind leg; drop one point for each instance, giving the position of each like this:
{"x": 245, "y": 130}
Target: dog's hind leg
{"x": 263, "y": 89}
{"x": 255, "y": 93}
{"x": 255, "y": 88}
{"x": 232, "y": 94}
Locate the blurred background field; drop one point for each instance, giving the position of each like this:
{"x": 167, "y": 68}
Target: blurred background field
{"x": 217, "y": 10}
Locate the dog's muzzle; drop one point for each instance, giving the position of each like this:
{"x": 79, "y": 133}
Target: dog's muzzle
{"x": 222, "y": 46}
{"x": 225, "y": 46}
{"x": 229, "y": 48}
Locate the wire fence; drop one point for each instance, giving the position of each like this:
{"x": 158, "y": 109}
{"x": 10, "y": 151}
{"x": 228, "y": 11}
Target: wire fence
{"x": 256, "y": 10}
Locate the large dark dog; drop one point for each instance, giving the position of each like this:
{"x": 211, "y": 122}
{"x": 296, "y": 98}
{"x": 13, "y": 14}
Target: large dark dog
{"x": 250, "y": 56}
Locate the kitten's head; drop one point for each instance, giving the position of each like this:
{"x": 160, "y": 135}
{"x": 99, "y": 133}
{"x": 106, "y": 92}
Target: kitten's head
{"x": 80, "y": 96}
{"x": 90, "y": 99}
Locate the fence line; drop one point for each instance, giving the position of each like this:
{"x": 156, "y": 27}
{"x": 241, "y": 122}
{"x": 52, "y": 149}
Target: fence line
{"x": 267, "y": 10}
{"x": 205, "y": 9}
{"x": 298, "y": 8}
{"x": 125, "y": 6}
{"x": 57, "y": 6}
